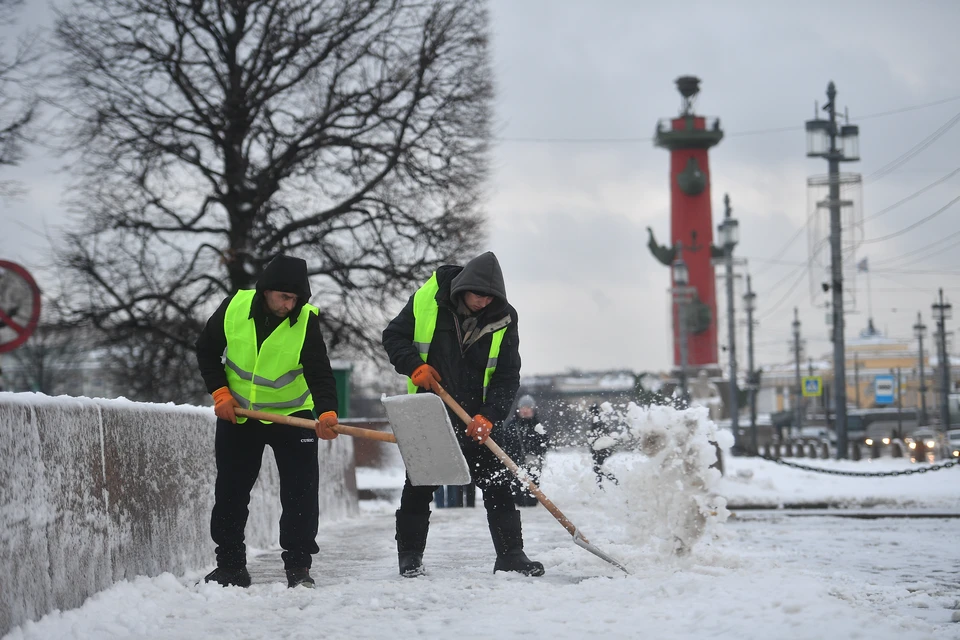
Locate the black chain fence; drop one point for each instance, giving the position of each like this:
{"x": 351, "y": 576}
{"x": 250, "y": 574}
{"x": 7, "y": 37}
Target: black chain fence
{"x": 865, "y": 474}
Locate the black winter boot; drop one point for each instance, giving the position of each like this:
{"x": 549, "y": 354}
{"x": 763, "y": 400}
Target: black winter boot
{"x": 299, "y": 577}
{"x": 508, "y": 541}
{"x": 411, "y": 540}
{"x": 229, "y": 577}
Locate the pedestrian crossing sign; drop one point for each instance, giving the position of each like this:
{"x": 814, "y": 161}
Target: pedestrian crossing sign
{"x": 812, "y": 386}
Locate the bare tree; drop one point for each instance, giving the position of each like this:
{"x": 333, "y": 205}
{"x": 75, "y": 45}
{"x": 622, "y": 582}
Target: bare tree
{"x": 214, "y": 134}
{"x": 17, "y": 105}
{"x": 55, "y": 360}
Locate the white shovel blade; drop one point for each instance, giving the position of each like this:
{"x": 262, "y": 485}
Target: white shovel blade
{"x": 427, "y": 443}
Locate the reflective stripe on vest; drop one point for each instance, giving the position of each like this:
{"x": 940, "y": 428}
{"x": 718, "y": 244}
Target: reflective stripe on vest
{"x": 269, "y": 379}
{"x": 425, "y": 311}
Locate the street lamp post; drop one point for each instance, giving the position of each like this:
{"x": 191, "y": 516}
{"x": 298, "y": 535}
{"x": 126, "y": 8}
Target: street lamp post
{"x": 825, "y": 139}
{"x": 943, "y": 311}
{"x": 682, "y": 292}
{"x": 797, "y": 354}
{"x": 856, "y": 379}
{"x": 920, "y": 330}
{"x": 729, "y": 237}
{"x": 749, "y": 306}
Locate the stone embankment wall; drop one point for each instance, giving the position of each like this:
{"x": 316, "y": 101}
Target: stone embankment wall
{"x": 96, "y": 491}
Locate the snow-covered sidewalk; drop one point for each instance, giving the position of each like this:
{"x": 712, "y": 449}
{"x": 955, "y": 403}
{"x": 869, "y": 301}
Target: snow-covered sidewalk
{"x": 758, "y": 575}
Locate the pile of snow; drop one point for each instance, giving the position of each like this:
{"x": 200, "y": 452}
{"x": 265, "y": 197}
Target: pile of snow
{"x": 667, "y": 497}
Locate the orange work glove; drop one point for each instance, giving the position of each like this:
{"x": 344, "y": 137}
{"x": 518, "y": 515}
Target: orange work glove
{"x": 479, "y": 429}
{"x": 325, "y": 424}
{"x": 223, "y": 404}
{"x": 425, "y": 376}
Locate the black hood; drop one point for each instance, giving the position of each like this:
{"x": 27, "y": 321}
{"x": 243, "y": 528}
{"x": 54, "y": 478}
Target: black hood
{"x": 286, "y": 274}
{"x": 480, "y": 275}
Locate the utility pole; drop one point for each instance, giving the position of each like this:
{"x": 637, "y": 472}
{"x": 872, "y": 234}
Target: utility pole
{"x": 798, "y": 411}
{"x": 753, "y": 381}
{"x": 920, "y": 331}
{"x": 899, "y": 406}
{"x": 729, "y": 236}
{"x": 942, "y": 312}
{"x": 818, "y": 132}
{"x": 856, "y": 377}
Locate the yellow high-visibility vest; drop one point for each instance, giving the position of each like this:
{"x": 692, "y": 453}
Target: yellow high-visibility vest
{"x": 425, "y": 311}
{"x": 269, "y": 379}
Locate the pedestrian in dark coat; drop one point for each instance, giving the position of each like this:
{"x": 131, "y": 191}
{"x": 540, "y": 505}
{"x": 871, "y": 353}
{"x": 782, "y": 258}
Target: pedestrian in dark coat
{"x": 447, "y": 333}
{"x": 262, "y": 349}
{"x": 525, "y": 440}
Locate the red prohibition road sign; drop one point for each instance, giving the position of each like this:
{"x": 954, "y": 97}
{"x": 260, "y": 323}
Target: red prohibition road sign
{"x": 19, "y": 305}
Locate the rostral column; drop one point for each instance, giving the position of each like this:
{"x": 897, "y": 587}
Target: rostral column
{"x": 689, "y": 137}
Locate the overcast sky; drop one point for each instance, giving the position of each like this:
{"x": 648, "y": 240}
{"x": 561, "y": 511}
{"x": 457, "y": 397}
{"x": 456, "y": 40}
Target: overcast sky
{"x": 576, "y": 180}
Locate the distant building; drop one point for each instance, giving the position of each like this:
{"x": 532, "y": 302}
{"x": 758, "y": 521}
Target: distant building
{"x": 868, "y": 356}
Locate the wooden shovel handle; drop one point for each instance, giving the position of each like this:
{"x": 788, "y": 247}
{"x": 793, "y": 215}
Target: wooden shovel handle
{"x": 293, "y": 421}
{"x": 505, "y": 459}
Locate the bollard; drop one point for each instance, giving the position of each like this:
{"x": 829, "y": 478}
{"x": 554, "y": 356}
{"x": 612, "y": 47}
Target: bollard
{"x": 896, "y": 449}
{"x": 855, "y": 451}
{"x": 875, "y": 450}
{"x": 824, "y": 450}
{"x": 448, "y": 496}
{"x": 798, "y": 449}
{"x": 812, "y": 450}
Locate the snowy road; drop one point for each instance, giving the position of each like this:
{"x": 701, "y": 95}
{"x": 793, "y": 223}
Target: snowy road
{"x": 758, "y": 574}
{"x": 767, "y": 576}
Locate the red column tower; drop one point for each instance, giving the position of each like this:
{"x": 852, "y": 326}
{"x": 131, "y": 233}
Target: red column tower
{"x": 689, "y": 138}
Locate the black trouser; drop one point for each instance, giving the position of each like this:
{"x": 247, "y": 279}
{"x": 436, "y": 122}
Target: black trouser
{"x": 239, "y": 449}
{"x": 490, "y": 475}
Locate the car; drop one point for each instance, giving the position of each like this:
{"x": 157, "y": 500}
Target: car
{"x": 880, "y": 433}
{"x": 953, "y": 443}
{"x": 926, "y": 441}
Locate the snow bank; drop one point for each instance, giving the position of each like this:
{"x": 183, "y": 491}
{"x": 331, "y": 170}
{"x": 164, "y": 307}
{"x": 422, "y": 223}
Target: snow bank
{"x": 754, "y": 482}
{"x": 97, "y": 491}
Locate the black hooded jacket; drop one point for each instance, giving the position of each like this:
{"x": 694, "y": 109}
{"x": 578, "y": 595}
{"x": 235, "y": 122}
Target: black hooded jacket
{"x": 289, "y": 275}
{"x": 461, "y": 342}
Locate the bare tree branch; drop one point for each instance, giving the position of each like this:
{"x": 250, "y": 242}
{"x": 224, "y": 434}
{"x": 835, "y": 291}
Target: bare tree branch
{"x": 18, "y": 104}
{"x": 215, "y": 134}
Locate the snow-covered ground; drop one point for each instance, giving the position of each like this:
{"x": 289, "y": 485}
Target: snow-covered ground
{"x": 746, "y": 574}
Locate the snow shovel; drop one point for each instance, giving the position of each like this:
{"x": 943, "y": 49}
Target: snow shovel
{"x": 578, "y": 537}
{"x": 421, "y": 442}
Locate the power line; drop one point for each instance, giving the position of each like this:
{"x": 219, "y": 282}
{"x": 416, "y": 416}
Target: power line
{"x": 889, "y": 261}
{"x": 904, "y": 109}
{"x": 775, "y": 261}
{"x": 929, "y": 255}
{"x": 911, "y": 153}
{"x": 735, "y": 134}
{"x": 912, "y": 195}
{"x": 919, "y": 272}
{"x": 799, "y": 232}
{"x": 915, "y": 224}
{"x": 773, "y": 308}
